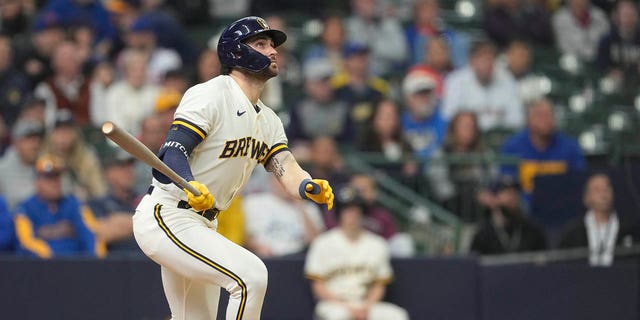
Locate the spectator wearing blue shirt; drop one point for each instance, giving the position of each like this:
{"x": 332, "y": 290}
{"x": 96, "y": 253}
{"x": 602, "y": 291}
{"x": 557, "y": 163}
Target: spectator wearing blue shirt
{"x": 7, "y": 233}
{"x": 423, "y": 126}
{"x": 50, "y": 223}
{"x": 541, "y": 148}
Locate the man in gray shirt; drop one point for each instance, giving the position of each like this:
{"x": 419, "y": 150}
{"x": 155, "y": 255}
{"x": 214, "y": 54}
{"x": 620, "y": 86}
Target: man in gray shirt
{"x": 17, "y": 163}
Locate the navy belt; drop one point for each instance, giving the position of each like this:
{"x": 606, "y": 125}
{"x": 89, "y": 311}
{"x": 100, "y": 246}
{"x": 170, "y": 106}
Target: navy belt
{"x": 210, "y": 214}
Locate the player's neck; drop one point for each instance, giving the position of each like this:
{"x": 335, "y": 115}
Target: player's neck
{"x": 351, "y": 233}
{"x": 251, "y": 85}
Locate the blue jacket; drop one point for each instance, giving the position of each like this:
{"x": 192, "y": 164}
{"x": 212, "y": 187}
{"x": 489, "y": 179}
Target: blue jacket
{"x": 563, "y": 155}
{"x": 33, "y": 217}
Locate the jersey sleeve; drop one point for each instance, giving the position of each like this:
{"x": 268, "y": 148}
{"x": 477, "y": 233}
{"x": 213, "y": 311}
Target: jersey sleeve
{"x": 198, "y": 111}
{"x": 277, "y": 139}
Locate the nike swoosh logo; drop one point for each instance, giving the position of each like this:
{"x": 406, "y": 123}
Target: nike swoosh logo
{"x": 238, "y": 113}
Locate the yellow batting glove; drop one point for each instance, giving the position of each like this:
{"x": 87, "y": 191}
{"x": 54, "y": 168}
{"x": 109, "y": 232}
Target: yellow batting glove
{"x": 318, "y": 191}
{"x": 202, "y": 202}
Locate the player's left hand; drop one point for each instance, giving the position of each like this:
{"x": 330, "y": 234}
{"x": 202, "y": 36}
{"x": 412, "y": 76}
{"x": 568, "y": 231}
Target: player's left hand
{"x": 318, "y": 191}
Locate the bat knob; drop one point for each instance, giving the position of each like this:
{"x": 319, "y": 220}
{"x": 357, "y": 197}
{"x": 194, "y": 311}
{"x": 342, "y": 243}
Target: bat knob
{"x": 108, "y": 127}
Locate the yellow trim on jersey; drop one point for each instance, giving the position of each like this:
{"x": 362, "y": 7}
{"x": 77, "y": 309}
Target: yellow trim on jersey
{"x": 277, "y": 148}
{"x": 92, "y": 223}
{"x": 24, "y": 231}
{"x": 379, "y": 85}
{"x": 190, "y": 126}
{"x": 384, "y": 281}
{"x": 207, "y": 261}
{"x": 313, "y": 277}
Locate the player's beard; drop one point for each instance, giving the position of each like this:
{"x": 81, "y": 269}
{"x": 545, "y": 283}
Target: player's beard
{"x": 270, "y": 71}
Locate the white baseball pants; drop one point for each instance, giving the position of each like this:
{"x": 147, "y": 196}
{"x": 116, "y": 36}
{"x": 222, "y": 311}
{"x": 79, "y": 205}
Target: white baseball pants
{"x": 196, "y": 261}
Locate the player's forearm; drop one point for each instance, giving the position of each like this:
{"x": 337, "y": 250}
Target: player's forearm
{"x": 376, "y": 293}
{"x": 321, "y": 292}
{"x": 285, "y": 167}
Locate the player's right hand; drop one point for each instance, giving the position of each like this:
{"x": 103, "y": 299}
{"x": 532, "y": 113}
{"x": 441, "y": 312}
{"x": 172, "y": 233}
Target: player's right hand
{"x": 202, "y": 202}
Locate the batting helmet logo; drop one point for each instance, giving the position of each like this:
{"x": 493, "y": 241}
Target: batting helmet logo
{"x": 233, "y": 52}
{"x": 262, "y": 23}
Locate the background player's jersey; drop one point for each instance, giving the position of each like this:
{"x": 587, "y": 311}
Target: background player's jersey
{"x": 237, "y": 136}
{"x": 348, "y": 267}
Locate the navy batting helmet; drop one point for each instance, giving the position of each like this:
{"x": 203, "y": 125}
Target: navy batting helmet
{"x": 233, "y": 52}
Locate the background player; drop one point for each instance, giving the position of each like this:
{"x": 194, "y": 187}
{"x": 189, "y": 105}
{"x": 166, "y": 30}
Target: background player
{"x": 350, "y": 267}
{"x": 220, "y": 133}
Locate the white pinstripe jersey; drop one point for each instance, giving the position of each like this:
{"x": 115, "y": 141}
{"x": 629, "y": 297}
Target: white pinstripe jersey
{"x": 236, "y": 135}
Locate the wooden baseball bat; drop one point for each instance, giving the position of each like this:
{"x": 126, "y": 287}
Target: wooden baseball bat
{"x": 134, "y": 147}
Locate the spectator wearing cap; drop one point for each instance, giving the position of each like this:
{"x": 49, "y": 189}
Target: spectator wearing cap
{"x": 319, "y": 113}
{"x": 600, "y": 229}
{"x": 578, "y": 27}
{"x": 141, "y": 35}
{"x": 381, "y": 32}
{"x": 422, "y": 123}
{"x": 357, "y": 86}
{"x": 84, "y": 176}
{"x": 33, "y": 57}
{"x": 113, "y": 212}
{"x": 51, "y": 223}
{"x": 67, "y": 88}
{"x": 541, "y": 148}
{"x": 437, "y": 62}
{"x": 165, "y": 106}
{"x": 18, "y": 162}
{"x": 480, "y": 88}
{"x": 507, "y": 229}
{"x": 131, "y": 99}
{"x": 349, "y": 267}
{"x": 14, "y": 85}
{"x": 33, "y": 109}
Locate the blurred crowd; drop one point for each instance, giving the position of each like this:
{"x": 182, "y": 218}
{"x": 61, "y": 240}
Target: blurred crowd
{"x": 392, "y": 80}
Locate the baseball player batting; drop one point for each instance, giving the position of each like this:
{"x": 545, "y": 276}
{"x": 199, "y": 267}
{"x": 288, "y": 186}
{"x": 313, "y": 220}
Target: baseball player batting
{"x": 221, "y": 131}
